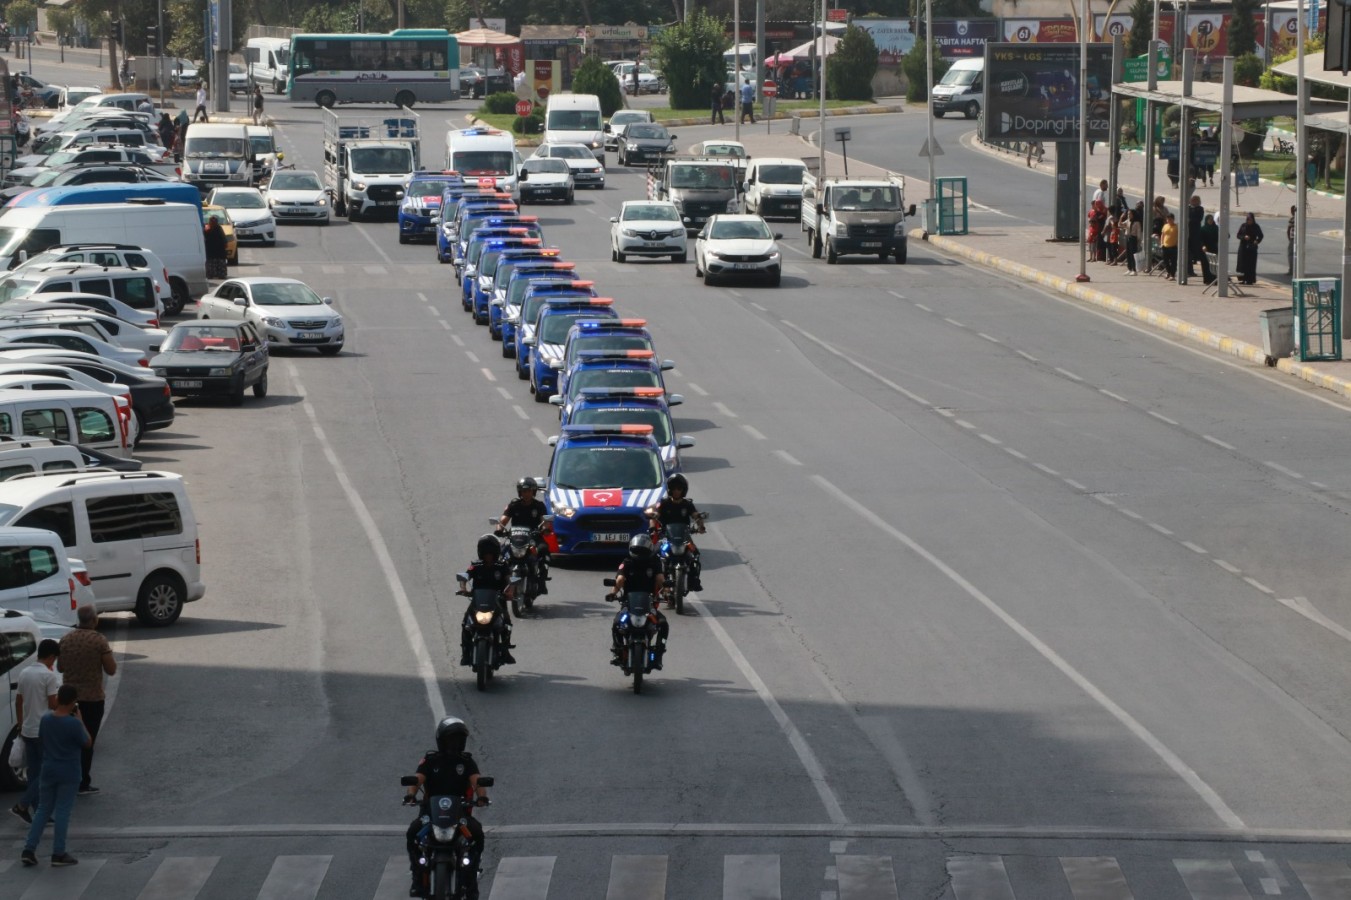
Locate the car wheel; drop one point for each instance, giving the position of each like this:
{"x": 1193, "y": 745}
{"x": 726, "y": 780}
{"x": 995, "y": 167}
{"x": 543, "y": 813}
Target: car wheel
{"x": 614, "y": 254}
{"x": 938, "y": 113}
{"x": 271, "y": 243}
{"x": 775, "y": 279}
{"x": 815, "y": 243}
{"x": 570, "y": 198}
{"x": 160, "y": 601}
{"x": 405, "y": 99}
{"x": 680, "y": 257}
{"x": 620, "y": 256}
{"x": 260, "y": 387}
{"x": 403, "y": 238}
{"x": 901, "y": 254}
{"x": 831, "y": 256}
{"x": 508, "y": 351}
{"x": 882, "y": 257}
{"x": 178, "y": 297}
{"x": 522, "y": 373}
{"x": 698, "y": 272}
{"x": 278, "y": 87}
{"x": 237, "y": 395}
{"x": 326, "y": 99}
{"x": 972, "y": 109}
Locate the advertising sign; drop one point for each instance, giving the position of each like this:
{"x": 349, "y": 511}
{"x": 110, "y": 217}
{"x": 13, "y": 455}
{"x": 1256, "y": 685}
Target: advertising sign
{"x": 1207, "y": 34}
{"x": 617, "y": 32}
{"x": 1040, "y": 31}
{"x": 489, "y": 22}
{"x": 1110, "y": 27}
{"x": 962, "y": 38}
{"x": 1032, "y": 92}
{"x": 892, "y": 37}
{"x": 544, "y": 78}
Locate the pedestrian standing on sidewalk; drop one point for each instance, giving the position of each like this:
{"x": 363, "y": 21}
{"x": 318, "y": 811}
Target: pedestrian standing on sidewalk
{"x": 199, "y": 115}
{"x": 1100, "y": 195}
{"x": 1158, "y": 215}
{"x": 1249, "y": 237}
{"x": 1168, "y": 243}
{"x": 1112, "y": 240}
{"x": 1133, "y": 235}
{"x": 257, "y": 104}
{"x": 747, "y": 103}
{"x": 716, "y": 113}
{"x": 85, "y": 659}
{"x": 36, "y": 697}
{"x": 1120, "y": 206}
{"x": 1290, "y": 244}
{"x": 64, "y": 736}
{"x": 1210, "y": 235}
{"x": 1196, "y": 217}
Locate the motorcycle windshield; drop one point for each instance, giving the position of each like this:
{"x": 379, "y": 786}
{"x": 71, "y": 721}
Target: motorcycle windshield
{"x": 520, "y": 537}
{"x": 678, "y": 535}
{"x": 485, "y": 598}
{"x": 639, "y": 605}
{"x": 444, "y": 810}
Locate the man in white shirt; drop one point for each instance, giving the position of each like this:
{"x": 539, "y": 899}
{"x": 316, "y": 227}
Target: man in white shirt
{"x": 1101, "y": 192}
{"x": 37, "y": 686}
{"x": 200, "y": 114}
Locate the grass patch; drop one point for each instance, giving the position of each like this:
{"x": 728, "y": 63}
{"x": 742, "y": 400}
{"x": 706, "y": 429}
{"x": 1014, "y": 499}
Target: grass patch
{"x": 1281, "y": 167}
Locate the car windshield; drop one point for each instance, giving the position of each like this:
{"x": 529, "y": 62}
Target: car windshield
{"x": 382, "y": 160}
{"x": 13, "y": 289}
{"x": 61, "y": 157}
{"x": 874, "y": 198}
{"x": 426, "y": 189}
{"x": 658, "y": 419}
{"x": 614, "y": 342}
{"x": 585, "y": 468}
{"x": 487, "y": 262}
{"x": 215, "y": 146}
{"x": 236, "y": 69}
{"x": 724, "y": 150}
{"x": 217, "y": 215}
{"x": 42, "y": 179}
{"x": 612, "y": 378}
{"x": 570, "y": 152}
{"x": 202, "y": 338}
{"x": 261, "y": 144}
{"x": 75, "y": 96}
{"x": 709, "y": 177}
{"x": 739, "y": 229}
{"x": 650, "y": 212}
{"x": 239, "y": 200}
{"x": 295, "y": 181}
{"x": 574, "y": 120}
{"x": 543, "y": 164}
{"x": 554, "y": 329}
{"x": 284, "y": 294}
{"x": 622, "y": 118}
{"x": 643, "y": 130}
{"x": 483, "y": 162}
{"x": 960, "y": 76}
{"x": 781, "y": 174}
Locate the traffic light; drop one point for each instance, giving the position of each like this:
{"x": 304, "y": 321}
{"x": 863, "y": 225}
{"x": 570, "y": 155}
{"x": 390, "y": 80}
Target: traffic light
{"x": 152, "y": 41}
{"x": 117, "y": 31}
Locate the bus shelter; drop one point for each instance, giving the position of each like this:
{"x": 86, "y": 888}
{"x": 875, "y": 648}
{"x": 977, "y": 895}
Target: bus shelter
{"x": 1231, "y": 103}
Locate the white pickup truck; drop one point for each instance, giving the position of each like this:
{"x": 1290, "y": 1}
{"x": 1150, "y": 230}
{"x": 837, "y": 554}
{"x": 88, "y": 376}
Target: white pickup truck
{"x": 847, "y": 216}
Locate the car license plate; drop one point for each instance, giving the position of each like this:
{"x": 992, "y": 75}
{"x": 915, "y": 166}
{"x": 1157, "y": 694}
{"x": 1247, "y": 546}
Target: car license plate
{"x": 652, "y": 243}
{"x": 187, "y": 384}
{"x": 386, "y": 202}
{"x": 611, "y": 537}
{"x": 871, "y": 244}
{"x": 744, "y": 266}
{"x": 308, "y": 339}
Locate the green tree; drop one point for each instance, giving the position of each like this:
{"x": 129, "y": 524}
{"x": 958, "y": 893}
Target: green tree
{"x": 594, "y": 77}
{"x": 1242, "y": 37}
{"x": 183, "y": 19}
{"x": 689, "y": 54}
{"x": 850, "y": 69}
{"x": 915, "y": 67}
{"x": 1142, "y": 28}
{"x": 62, "y": 21}
{"x": 457, "y": 14}
{"x": 22, "y": 16}
{"x": 1248, "y": 70}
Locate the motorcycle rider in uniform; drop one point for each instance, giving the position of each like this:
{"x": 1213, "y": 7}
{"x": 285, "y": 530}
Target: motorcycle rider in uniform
{"x": 527, "y": 512}
{"x": 640, "y": 571}
{"x": 678, "y": 509}
{"x": 488, "y": 572}
{"x": 447, "y": 771}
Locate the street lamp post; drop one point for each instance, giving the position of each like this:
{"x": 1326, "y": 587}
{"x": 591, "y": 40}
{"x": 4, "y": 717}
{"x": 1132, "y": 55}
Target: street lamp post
{"x": 1083, "y": 138}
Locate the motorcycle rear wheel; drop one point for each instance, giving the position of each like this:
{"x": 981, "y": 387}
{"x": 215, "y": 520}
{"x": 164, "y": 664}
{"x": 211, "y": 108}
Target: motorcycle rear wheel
{"x": 481, "y": 666}
{"x": 681, "y": 589}
{"x": 638, "y": 663}
{"x": 441, "y": 888}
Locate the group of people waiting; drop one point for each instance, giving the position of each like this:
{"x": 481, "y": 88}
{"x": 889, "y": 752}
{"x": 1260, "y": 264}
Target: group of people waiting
{"x": 1116, "y": 236}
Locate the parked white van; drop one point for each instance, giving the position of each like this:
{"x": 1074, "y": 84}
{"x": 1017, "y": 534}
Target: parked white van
{"x": 76, "y": 417}
{"x": 36, "y": 577}
{"x": 135, "y": 531}
{"x": 173, "y": 231}
{"x": 268, "y": 60}
{"x": 961, "y": 89}
{"x": 217, "y": 155}
{"x": 575, "y": 119}
{"x": 26, "y": 456}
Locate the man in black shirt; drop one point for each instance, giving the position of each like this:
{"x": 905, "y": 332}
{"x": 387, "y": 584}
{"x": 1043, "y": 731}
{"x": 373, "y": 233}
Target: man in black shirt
{"x": 676, "y": 508}
{"x": 487, "y": 572}
{"x": 527, "y": 512}
{"x": 447, "y": 771}
{"x": 640, "y": 571}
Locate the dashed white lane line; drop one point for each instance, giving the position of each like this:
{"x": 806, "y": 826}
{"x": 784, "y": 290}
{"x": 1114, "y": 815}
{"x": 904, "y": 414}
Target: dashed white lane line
{"x": 423, "y": 297}
{"x": 1160, "y": 529}
{"x": 1132, "y": 514}
{"x": 520, "y": 412}
{"x": 759, "y": 307}
{"x": 1047, "y": 469}
{"x": 473, "y": 357}
{"x": 1259, "y": 585}
{"x": 487, "y": 373}
{"x": 946, "y": 413}
{"x": 1074, "y": 484}
{"x": 1027, "y": 356}
{"x": 1161, "y": 417}
{"x": 923, "y": 307}
{"x": 444, "y": 324}
{"x": 965, "y": 424}
{"x": 990, "y": 440}
{"x": 896, "y": 295}
{"x": 722, "y": 408}
{"x": 1283, "y": 470}
{"x": 787, "y": 457}
{"x": 1068, "y": 374}
{"x": 543, "y": 438}
{"x": 434, "y": 311}
{"x": 1107, "y": 393}
{"x": 1228, "y": 567}
{"x": 1217, "y": 442}
{"x": 698, "y": 390}
{"x": 753, "y": 432}
{"x": 990, "y": 338}
{"x": 1195, "y": 548}
{"x": 734, "y": 292}
{"x": 1104, "y": 500}
{"x": 953, "y": 322}
{"x": 506, "y": 394}
{"x": 459, "y": 341}
{"x": 1016, "y": 454}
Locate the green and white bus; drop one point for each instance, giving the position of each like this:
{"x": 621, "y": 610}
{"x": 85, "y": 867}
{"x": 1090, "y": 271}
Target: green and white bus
{"x": 411, "y": 65}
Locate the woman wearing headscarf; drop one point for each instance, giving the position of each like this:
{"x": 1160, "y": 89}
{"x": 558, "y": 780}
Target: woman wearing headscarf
{"x": 1249, "y": 237}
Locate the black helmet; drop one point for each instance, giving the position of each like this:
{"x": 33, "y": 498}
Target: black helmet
{"x": 527, "y": 484}
{"x": 640, "y": 547}
{"x": 488, "y": 546}
{"x": 678, "y": 483}
{"x": 451, "y": 736}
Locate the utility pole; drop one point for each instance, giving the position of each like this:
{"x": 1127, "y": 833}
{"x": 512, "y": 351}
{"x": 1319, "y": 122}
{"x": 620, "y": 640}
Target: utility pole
{"x": 220, "y": 61}
{"x": 759, "y": 47}
{"x": 929, "y": 79}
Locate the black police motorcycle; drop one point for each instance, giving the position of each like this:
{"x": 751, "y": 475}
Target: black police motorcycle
{"x": 638, "y": 632}
{"x": 488, "y": 625}
{"x": 521, "y": 552}
{"x": 446, "y": 843}
{"x": 673, "y": 549}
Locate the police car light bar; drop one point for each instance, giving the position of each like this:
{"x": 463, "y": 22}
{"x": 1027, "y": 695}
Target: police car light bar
{"x": 602, "y": 393}
{"x": 616, "y": 355}
{"x": 607, "y": 429}
{"x": 580, "y": 300}
{"x": 598, "y": 324}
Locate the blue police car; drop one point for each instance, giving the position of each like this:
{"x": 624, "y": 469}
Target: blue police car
{"x": 421, "y": 204}
{"x": 543, "y": 266}
{"x": 484, "y": 248}
{"x": 452, "y": 198}
{"x": 605, "y": 335}
{"x": 536, "y": 293}
{"x": 551, "y": 330}
{"x": 601, "y": 480}
{"x": 613, "y": 369}
{"x": 492, "y": 262}
{"x": 633, "y": 406}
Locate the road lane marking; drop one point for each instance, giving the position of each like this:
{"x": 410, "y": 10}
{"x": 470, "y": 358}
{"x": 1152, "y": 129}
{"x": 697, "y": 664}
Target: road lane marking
{"x": 543, "y": 438}
{"x": 787, "y": 457}
{"x": 1161, "y": 417}
{"x": 1195, "y": 548}
{"x": 473, "y": 357}
{"x": 1068, "y": 374}
{"x": 506, "y": 394}
{"x": 722, "y": 408}
{"x": 1217, "y": 442}
{"x": 753, "y": 432}
{"x": 459, "y": 342}
{"x": 1283, "y": 470}
{"x": 487, "y": 373}
{"x": 698, "y": 390}
{"x": 520, "y": 412}
{"x": 1174, "y": 762}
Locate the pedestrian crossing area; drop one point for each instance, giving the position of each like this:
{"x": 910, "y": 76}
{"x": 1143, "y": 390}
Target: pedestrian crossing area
{"x": 742, "y": 877}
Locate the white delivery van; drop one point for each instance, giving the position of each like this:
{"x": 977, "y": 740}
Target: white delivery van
{"x": 217, "y": 155}
{"x": 575, "y": 119}
{"x": 173, "y": 231}
{"x": 961, "y": 89}
{"x": 268, "y": 59}
{"x": 76, "y": 417}
{"x": 478, "y": 153}
{"x": 135, "y": 530}
{"x": 24, "y": 456}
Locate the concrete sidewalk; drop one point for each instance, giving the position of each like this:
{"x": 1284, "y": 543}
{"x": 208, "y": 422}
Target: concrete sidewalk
{"x": 1229, "y": 325}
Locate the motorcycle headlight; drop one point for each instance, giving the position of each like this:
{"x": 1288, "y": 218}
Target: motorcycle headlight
{"x": 483, "y": 617}
{"x": 443, "y": 835}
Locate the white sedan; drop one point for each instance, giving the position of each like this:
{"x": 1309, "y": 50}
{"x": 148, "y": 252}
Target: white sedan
{"x": 648, "y": 228}
{"x": 546, "y": 179}
{"x": 586, "y": 170}
{"x": 285, "y": 310}
{"x": 297, "y": 196}
{"x": 737, "y": 245}
{"x": 248, "y": 211}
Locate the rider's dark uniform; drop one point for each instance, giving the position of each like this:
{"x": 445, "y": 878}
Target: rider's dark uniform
{"x": 492, "y": 576}
{"x": 640, "y": 575}
{"x": 448, "y": 776}
{"x": 682, "y": 512}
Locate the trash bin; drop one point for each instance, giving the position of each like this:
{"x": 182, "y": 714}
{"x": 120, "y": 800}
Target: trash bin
{"x": 1278, "y": 333}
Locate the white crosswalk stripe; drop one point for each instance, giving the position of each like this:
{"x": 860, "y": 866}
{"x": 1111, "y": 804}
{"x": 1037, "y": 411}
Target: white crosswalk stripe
{"x": 634, "y": 877}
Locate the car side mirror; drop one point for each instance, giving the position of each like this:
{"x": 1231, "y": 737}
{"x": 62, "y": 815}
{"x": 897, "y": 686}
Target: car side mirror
{"x": 328, "y": 300}
{"x": 523, "y": 175}
{"x": 614, "y": 219}
{"x": 778, "y": 236}
{"x": 529, "y": 342}
{"x": 911, "y": 210}
{"x": 606, "y": 128}
{"x": 684, "y": 442}
{"x": 673, "y": 137}
{"x": 667, "y": 365}
{"x": 556, "y": 400}
{"x": 675, "y": 399}
{"x": 240, "y": 301}
{"x": 553, "y": 441}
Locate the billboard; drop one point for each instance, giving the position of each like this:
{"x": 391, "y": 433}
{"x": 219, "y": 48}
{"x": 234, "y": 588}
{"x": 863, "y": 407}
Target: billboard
{"x": 1032, "y": 92}
{"x": 962, "y": 38}
{"x": 892, "y": 37}
{"x": 1040, "y": 31}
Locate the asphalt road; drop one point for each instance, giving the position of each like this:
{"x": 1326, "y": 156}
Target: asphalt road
{"x": 1005, "y": 599}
